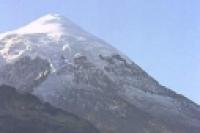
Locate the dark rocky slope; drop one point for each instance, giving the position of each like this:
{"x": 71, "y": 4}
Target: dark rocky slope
{"x": 24, "y": 113}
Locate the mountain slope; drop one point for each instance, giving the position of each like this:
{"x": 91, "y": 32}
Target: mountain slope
{"x": 71, "y": 69}
{"x": 22, "y": 113}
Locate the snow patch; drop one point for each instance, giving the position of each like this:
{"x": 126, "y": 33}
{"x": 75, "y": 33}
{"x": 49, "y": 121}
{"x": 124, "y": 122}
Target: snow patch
{"x": 77, "y": 55}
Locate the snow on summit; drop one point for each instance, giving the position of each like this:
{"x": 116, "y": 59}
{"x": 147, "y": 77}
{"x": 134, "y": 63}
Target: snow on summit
{"x": 51, "y": 24}
{"x": 51, "y": 37}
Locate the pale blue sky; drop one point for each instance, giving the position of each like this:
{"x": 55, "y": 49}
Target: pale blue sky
{"x": 162, "y": 36}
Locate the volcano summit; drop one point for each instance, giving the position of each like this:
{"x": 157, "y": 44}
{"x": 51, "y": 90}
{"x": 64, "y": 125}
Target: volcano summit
{"x": 60, "y": 63}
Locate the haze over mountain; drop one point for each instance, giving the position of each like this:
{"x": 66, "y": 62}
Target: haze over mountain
{"x": 60, "y": 63}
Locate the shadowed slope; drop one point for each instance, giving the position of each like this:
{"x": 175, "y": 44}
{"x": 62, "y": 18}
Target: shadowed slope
{"x": 24, "y": 113}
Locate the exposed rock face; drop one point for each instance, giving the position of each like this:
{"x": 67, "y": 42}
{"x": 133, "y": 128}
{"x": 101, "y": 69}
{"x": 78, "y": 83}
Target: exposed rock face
{"x": 80, "y": 73}
{"x": 24, "y": 113}
{"x": 25, "y": 73}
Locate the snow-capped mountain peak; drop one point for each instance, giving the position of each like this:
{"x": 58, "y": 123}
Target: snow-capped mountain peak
{"x": 52, "y": 24}
{"x": 50, "y": 30}
{"x": 60, "y": 63}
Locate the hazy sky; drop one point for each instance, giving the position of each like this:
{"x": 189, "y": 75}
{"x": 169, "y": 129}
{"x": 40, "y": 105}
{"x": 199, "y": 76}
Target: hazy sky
{"x": 162, "y": 36}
